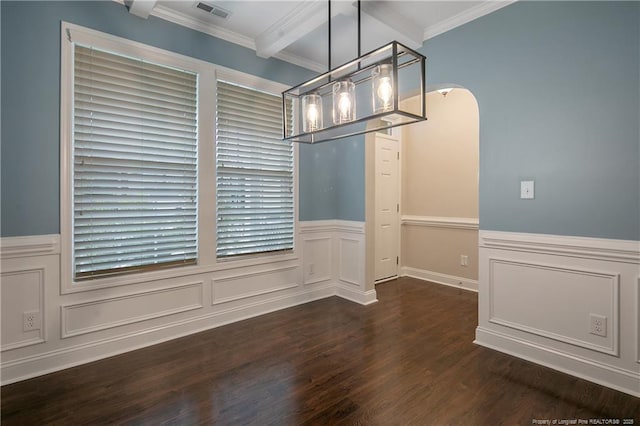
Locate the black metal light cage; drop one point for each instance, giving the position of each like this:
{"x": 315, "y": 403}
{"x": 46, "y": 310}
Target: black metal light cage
{"x": 408, "y": 70}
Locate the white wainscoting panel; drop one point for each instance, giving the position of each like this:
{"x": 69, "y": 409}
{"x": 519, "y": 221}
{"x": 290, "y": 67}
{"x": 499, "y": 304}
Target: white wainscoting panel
{"x": 346, "y": 261}
{"x": 244, "y": 285}
{"x": 96, "y": 315}
{"x": 316, "y": 254}
{"x": 83, "y": 326}
{"x": 536, "y": 294}
{"x": 350, "y": 261}
{"x": 519, "y": 295}
{"x": 22, "y": 291}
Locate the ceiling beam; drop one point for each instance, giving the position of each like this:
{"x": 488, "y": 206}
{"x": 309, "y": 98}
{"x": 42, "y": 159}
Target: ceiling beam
{"x": 408, "y": 31}
{"x": 141, "y": 8}
{"x": 303, "y": 19}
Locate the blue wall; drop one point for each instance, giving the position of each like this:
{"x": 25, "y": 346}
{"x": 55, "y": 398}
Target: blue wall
{"x": 332, "y": 180}
{"x": 558, "y": 87}
{"x": 31, "y": 103}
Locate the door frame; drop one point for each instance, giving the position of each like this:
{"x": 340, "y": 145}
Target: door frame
{"x": 370, "y": 229}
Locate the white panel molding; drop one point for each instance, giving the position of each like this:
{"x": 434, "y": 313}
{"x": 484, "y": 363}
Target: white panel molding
{"x": 612, "y": 279}
{"x": 438, "y": 278}
{"x": 262, "y": 274}
{"x": 462, "y": 18}
{"x": 309, "y": 259}
{"x": 440, "y": 222}
{"x": 36, "y": 245}
{"x": 59, "y": 359}
{"x": 347, "y": 257}
{"x": 83, "y": 338}
{"x": 626, "y": 251}
{"x": 70, "y": 329}
{"x": 616, "y": 378}
{"x": 349, "y": 271}
{"x": 571, "y": 278}
{"x": 356, "y": 295}
{"x": 41, "y": 335}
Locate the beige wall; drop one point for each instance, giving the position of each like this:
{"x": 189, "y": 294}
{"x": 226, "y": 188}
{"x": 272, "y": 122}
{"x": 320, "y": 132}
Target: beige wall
{"x": 440, "y": 180}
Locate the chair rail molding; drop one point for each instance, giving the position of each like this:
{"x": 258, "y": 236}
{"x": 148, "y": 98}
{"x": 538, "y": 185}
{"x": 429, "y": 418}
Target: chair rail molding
{"x": 440, "y": 222}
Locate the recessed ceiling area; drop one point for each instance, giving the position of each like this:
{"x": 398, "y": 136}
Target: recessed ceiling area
{"x": 296, "y": 31}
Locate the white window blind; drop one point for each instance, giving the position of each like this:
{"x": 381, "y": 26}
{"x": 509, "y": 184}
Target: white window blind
{"x": 135, "y": 164}
{"x": 254, "y": 181}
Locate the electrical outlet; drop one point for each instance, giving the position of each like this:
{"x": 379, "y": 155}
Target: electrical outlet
{"x": 598, "y": 325}
{"x": 30, "y": 321}
{"x": 464, "y": 260}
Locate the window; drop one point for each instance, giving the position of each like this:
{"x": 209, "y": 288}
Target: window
{"x": 150, "y": 188}
{"x": 254, "y": 180}
{"x": 134, "y": 164}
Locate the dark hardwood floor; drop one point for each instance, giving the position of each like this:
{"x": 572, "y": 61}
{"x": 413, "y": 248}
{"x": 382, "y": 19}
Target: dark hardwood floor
{"x": 408, "y": 359}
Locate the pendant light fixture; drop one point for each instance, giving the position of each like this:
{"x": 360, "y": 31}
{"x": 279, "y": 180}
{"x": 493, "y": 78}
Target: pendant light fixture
{"x": 361, "y": 96}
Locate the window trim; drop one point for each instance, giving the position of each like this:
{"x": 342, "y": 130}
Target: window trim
{"x": 208, "y": 74}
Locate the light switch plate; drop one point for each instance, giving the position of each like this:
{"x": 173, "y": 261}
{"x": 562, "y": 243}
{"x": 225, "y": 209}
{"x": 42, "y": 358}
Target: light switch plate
{"x": 526, "y": 190}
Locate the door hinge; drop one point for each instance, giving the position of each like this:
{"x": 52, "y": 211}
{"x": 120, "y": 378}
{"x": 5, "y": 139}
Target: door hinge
{"x": 397, "y": 208}
{"x": 397, "y": 260}
{"x": 398, "y": 155}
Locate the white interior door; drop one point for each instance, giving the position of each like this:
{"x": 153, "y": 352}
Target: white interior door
{"x": 387, "y": 206}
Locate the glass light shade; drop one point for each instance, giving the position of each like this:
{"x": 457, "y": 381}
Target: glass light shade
{"x": 344, "y": 101}
{"x": 400, "y": 75}
{"x": 312, "y": 113}
{"x": 382, "y": 88}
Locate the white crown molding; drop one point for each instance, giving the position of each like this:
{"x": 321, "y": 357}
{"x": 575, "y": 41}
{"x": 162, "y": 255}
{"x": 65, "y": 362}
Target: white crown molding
{"x": 462, "y": 18}
{"x": 202, "y": 26}
{"x": 300, "y": 61}
{"x": 36, "y": 245}
{"x": 230, "y": 36}
{"x": 627, "y": 251}
{"x": 440, "y": 222}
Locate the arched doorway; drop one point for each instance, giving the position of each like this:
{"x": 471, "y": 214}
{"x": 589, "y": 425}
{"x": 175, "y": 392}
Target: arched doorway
{"x": 438, "y": 229}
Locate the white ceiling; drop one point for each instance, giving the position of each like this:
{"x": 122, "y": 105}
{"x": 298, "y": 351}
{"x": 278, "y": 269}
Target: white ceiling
{"x": 297, "y": 31}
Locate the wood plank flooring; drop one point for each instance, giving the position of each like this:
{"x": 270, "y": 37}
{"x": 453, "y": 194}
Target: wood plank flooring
{"x": 409, "y": 359}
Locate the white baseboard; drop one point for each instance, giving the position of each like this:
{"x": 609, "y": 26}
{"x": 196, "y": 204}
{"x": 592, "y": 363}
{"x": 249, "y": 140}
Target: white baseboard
{"x": 55, "y": 360}
{"x": 438, "y": 278}
{"x": 356, "y": 295}
{"x": 605, "y": 375}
